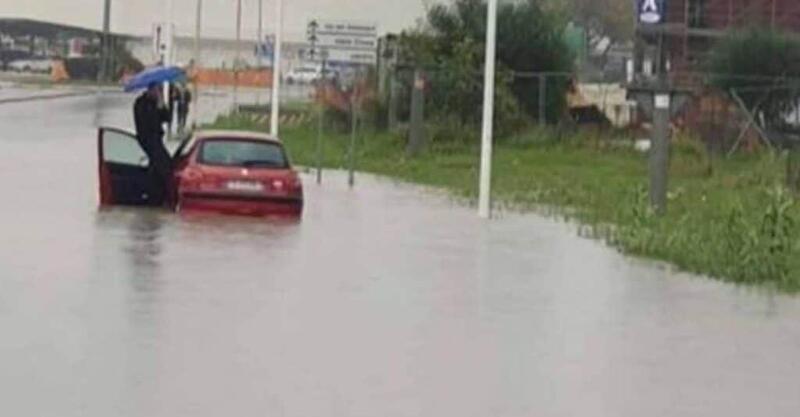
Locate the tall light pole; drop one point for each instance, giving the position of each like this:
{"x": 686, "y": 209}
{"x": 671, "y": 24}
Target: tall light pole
{"x": 105, "y": 62}
{"x": 238, "y": 53}
{"x": 276, "y": 68}
{"x": 484, "y": 198}
{"x": 168, "y": 61}
{"x": 260, "y": 31}
{"x": 170, "y": 34}
{"x": 196, "y": 66}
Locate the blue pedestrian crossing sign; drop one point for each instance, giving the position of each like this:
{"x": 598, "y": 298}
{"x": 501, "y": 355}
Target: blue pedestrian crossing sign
{"x": 652, "y": 11}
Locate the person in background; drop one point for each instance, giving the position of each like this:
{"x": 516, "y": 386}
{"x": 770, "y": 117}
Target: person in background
{"x": 184, "y": 103}
{"x": 174, "y": 99}
{"x": 150, "y": 112}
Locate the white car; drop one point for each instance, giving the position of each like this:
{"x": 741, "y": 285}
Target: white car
{"x": 308, "y": 75}
{"x": 302, "y": 75}
{"x": 31, "y": 65}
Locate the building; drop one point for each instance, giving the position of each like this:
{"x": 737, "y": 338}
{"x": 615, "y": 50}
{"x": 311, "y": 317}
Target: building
{"x": 51, "y": 40}
{"x": 674, "y": 42}
{"x": 685, "y": 30}
{"x": 215, "y": 53}
{"x": 80, "y": 48}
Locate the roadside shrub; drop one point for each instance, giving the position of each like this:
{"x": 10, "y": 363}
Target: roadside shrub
{"x": 451, "y": 44}
{"x": 636, "y": 223}
{"x": 755, "y": 60}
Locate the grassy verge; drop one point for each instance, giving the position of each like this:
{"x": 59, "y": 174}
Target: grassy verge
{"x": 730, "y": 219}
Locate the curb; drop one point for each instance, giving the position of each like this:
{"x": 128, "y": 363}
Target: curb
{"x": 43, "y": 97}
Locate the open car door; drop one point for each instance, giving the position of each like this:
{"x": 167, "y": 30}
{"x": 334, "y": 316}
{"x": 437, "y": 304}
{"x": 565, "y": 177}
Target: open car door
{"x": 124, "y": 178}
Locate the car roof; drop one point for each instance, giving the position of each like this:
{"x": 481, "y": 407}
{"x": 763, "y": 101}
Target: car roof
{"x": 234, "y": 135}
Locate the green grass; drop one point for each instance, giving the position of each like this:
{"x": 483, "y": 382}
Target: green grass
{"x": 730, "y": 219}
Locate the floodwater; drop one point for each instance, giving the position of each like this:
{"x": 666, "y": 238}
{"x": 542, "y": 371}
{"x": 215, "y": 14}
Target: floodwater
{"x": 386, "y": 300}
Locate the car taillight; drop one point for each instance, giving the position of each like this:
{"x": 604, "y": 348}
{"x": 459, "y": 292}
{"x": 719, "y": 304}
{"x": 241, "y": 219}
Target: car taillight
{"x": 279, "y": 185}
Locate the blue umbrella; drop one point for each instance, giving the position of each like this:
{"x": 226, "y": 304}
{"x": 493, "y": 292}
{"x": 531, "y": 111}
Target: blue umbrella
{"x": 149, "y": 76}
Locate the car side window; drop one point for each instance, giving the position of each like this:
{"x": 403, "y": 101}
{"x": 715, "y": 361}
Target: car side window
{"x": 121, "y": 148}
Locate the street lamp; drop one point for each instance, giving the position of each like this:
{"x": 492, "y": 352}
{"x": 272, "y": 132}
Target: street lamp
{"x": 196, "y": 66}
{"x": 484, "y": 198}
{"x": 105, "y": 61}
{"x": 276, "y": 68}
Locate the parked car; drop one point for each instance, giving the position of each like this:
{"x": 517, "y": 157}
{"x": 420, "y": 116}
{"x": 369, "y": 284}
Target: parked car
{"x": 8, "y": 56}
{"x": 227, "y": 172}
{"x": 34, "y": 65}
{"x": 302, "y": 75}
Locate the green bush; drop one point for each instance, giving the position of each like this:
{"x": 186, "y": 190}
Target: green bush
{"x": 451, "y": 45}
{"x": 754, "y": 61}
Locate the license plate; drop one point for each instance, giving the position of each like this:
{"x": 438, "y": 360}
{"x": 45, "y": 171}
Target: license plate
{"x": 245, "y": 186}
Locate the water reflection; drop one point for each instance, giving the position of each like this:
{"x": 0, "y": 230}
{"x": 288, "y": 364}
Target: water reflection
{"x": 144, "y": 244}
{"x": 385, "y": 300}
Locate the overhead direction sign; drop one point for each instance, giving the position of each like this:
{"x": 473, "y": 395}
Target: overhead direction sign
{"x": 343, "y": 41}
{"x": 342, "y": 56}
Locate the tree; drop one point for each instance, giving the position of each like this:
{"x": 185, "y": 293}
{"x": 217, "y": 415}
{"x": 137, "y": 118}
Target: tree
{"x": 763, "y": 67}
{"x": 530, "y": 39}
{"x": 607, "y": 22}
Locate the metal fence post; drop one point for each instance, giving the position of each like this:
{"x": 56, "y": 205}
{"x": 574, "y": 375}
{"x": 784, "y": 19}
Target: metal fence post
{"x": 352, "y": 154}
{"x": 416, "y": 134}
{"x": 542, "y": 99}
{"x": 320, "y": 125}
{"x": 392, "y": 117}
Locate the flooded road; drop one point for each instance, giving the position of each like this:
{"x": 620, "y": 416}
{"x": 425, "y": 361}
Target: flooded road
{"x": 386, "y": 300}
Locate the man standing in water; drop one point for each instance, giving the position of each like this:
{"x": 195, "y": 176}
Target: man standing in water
{"x": 150, "y": 113}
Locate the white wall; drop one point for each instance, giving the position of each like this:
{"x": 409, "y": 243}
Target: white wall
{"x": 214, "y": 53}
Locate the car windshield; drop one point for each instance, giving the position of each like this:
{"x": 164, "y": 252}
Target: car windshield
{"x": 243, "y": 153}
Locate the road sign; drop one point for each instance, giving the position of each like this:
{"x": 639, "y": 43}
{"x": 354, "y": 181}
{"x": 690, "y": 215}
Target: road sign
{"x": 345, "y": 42}
{"x": 651, "y": 11}
{"x": 342, "y": 56}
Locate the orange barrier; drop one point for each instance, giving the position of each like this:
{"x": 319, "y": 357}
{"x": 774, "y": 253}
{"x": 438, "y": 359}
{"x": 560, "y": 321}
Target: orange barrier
{"x": 246, "y": 78}
{"x": 58, "y": 72}
{"x": 331, "y": 96}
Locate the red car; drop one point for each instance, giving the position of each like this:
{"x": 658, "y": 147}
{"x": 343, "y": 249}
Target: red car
{"x": 219, "y": 171}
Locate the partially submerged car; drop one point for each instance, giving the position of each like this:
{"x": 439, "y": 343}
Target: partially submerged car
{"x": 230, "y": 172}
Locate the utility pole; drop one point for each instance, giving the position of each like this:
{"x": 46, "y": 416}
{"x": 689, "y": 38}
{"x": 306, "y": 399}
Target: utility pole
{"x": 170, "y": 34}
{"x": 354, "y": 108}
{"x": 276, "y": 69}
{"x": 197, "y": 28}
{"x": 659, "y": 151}
{"x": 484, "y": 198}
{"x": 260, "y": 35}
{"x": 238, "y": 54}
{"x": 168, "y": 61}
{"x": 105, "y": 62}
{"x": 311, "y": 36}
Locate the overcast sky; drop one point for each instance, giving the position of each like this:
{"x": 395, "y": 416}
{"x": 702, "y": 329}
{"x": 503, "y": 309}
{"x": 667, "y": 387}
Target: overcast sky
{"x": 138, "y": 16}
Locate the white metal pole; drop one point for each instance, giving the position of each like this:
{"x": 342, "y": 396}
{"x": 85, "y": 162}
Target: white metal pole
{"x": 484, "y": 199}
{"x": 238, "y": 59}
{"x": 105, "y": 64}
{"x": 196, "y": 68}
{"x": 259, "y": 40}
{"x": 260, "y": 31}
{"x": 170, "y": 38}
{"x": 276, "y": 69}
